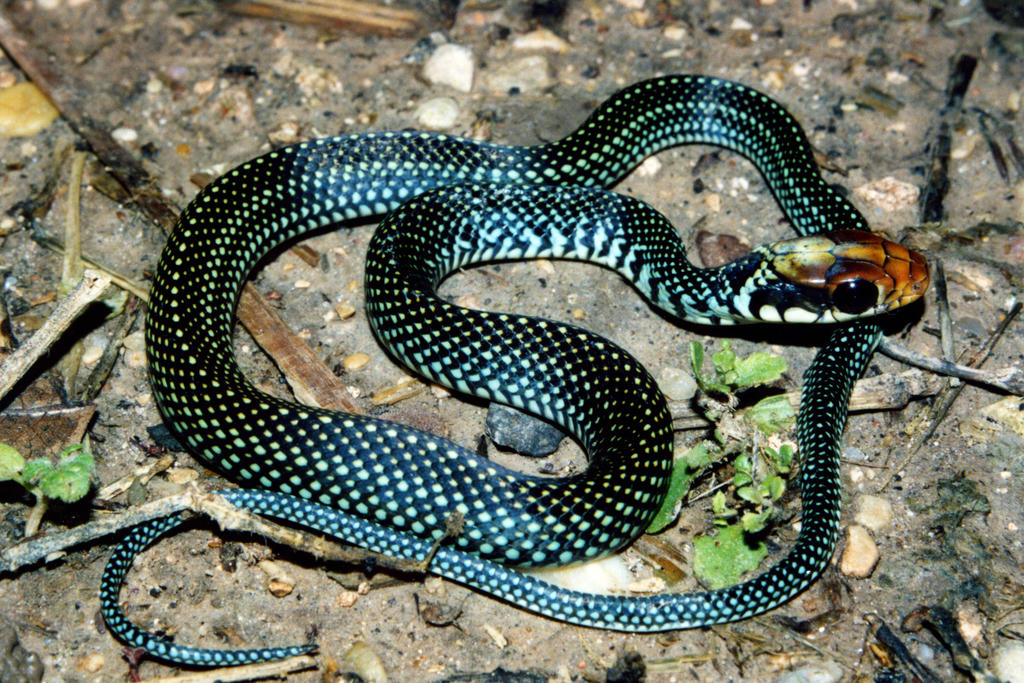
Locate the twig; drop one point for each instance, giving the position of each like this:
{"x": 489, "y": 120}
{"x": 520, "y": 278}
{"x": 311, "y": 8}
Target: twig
{"x": 94, "y": 382}
{"x": 57, "y": 246}
{"x": 249, "y": 672}
{"x": 311, "y": 380}
{"x": 1010, "y": 380}
{"x": 226, "y": 515}
{"x": 949, "y": 396}
{"x": 937, "y": 184}
{"x": 90, "y": 288}
{"x": 349, "y": 13}
{"x": 72, "y": 266}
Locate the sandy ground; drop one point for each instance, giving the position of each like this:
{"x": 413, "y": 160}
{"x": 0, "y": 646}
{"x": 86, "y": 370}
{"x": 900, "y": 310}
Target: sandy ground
{"x": 159, "y": 69}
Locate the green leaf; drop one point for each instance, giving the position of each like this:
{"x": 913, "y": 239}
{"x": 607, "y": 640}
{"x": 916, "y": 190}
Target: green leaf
{"x": 782, "y": 459}
{"x": 776, "y": 486}
{"x": 721, "y": 561}
{"x": 758, "y": 368}
{"x": 754, "y": 522}
{"x": 12, "y": 464}
{"x": 36, "y": 469}
{"x": 724, "y": 361}
{"x": 69, "y": 481}
{"x": 750, "y": 494}
{"x": 706, "y": 383}
{"x": 771, "y": 415}
{"x": 684, "y": 472}
{"x": 718, "y": 505}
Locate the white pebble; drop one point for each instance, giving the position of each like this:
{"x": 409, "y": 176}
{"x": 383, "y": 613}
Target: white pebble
{"x": 889, "y": 194}
{"x": 873, "y": 512}
{"x": 818, "y": 672}
{"x": 648, "y": 167}
{"x": 527, "y": 74}
{"x": 676, "y": 33}
{"x": 124, "y": 135}
{"x": 1008, "y": 662}
{"x": 677, "y": 384}
{"x": 860, "y": 555}
{"x": 92, "y": 354}
{"x": 450, "y": 65}
{"x": 541, "y": 39}
{"x": 438, "y": 113}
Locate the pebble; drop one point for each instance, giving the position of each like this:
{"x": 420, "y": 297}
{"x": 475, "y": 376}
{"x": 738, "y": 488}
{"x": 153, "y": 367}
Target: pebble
{"x": 818, "y": 672}
{"x": 526, "y": 74}
{"x": 92, "y": 354}
{"x": 676, "y": 33}
{"x": 523, "y": 433}
{"x": 366, "y": 663}
{"x": 889, "y": 194}
{"x": 24, "y": 111}
{"x": 873, "y": 512}
{"x": 541, "y": 39}
{"x": 450, "y": 65}
{"x": 355, "y": 361}
{"x": 437, "y": 113}
{"x": 90, "y": 664}
{"x": 279, "y": 583}
{"x": 860, "y": 555}
{"x": 1008, "y": 662}
{"x": 345, "y": 310}
{"x": 677, "y": 384}
{"x": 124, "y": 135}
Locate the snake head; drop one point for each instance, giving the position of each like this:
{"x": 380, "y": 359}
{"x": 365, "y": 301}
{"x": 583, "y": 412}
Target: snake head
{"x": 838, "y": 276}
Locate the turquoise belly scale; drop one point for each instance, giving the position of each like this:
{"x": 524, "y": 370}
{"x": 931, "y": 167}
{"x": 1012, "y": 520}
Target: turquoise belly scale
{"x": 451, "y": 203}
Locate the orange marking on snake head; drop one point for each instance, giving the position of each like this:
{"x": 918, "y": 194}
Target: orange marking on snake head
{"x": 858, "y": 271}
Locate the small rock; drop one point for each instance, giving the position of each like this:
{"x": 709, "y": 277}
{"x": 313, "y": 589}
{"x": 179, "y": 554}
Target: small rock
{"x": 366, "y": 663}
{"x": 90, "y": 664}
{"x": 889, "y": 194}
{"x": 438, "y": 113}
{"x": 861, "y": 553}
{"x": 355, "y": 361}
{"x": 24, "y": 111}
{"x": 345, "y": 310}
{"x": 92, "y": 354}
{"x": 1008, "y": 662}
{"x": 450, "y": 65}
{"x": 818, "y": 672}
{"x": 523, "y": 433}
{"x": 541, "y": 39}
{"x": 527, "y": 74}
{"x": 677, "y": 384}
{"x": 873, "y": 512}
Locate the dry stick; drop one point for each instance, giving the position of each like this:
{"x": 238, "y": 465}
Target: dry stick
{"x": 212, "y": 505}
{"x": 72, "y": 266}
{"x": 63, "y": 91}
{"x": 92, "y": 285}
{"x": 946, "y": 399}
{"x": 362, "y": 15}
{"x": 248, "y": 672}
{"x": 57, "y": 246}
{"x": 318, "y": 386}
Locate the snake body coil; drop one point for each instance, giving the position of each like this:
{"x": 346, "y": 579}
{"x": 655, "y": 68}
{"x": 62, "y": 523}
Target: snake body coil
{"x": 454, "y": 203}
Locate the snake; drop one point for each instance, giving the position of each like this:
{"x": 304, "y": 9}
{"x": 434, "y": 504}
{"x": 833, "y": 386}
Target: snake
{"x": 450, "y": 203}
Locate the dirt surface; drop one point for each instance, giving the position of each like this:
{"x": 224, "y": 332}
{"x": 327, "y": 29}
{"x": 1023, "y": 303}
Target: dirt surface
{"x": 162, "y": 71}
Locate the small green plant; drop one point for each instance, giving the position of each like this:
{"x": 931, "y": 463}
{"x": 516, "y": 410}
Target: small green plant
{"x": 759, "y": 480}
{"x": 68, "y": 480}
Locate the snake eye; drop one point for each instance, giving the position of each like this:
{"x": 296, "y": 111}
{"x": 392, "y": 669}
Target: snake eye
{"x": 854, "y": 297}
